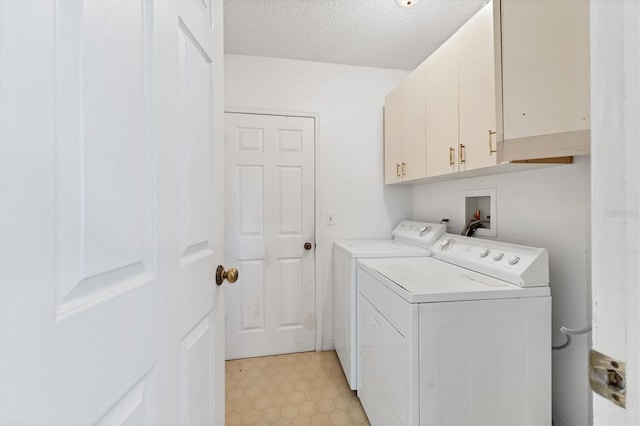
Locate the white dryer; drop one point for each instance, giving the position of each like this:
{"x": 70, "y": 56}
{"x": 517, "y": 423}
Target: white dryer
{"x": 409, "y": 239}
{"x": 463, "y": 337}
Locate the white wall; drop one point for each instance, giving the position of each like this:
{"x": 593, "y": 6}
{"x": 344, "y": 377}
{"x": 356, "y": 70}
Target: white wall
{"x": 349, "y": 162}
{"x": 548, "y": 208}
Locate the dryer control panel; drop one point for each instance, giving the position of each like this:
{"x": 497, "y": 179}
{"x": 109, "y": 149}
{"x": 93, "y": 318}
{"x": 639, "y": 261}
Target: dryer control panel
{"x": 520, "y": 265}
{"x": 420, "y": 234}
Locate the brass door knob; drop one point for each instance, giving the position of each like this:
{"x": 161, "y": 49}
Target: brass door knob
{"x": 307, "y": 245}
{"x": 231, "y": 275}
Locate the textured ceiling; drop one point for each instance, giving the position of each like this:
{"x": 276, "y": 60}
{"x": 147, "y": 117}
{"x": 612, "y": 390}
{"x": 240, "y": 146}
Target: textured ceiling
{"x": 374, "y": 33}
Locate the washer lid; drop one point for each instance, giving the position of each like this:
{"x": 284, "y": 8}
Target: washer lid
{"x": 379, "y": 248}
{"x": 426, "y": 280}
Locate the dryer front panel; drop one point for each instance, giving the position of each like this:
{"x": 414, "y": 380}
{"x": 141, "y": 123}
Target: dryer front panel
{"x": 485, "y": 362}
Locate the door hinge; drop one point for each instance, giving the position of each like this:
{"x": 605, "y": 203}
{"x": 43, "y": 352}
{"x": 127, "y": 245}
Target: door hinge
{"x": 608, "y": 377}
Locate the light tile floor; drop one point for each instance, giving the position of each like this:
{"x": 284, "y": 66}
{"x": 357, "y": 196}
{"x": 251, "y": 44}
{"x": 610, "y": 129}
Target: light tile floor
{"x": 296, "y": 389}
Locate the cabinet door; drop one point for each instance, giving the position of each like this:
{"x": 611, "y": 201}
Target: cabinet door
{"x": 442, "y": 109}
{"x": 413, "y": 125}
{"x": 393, "y": 136}
{"x": 476, "y": 83}
{"x": 545, "y": 77}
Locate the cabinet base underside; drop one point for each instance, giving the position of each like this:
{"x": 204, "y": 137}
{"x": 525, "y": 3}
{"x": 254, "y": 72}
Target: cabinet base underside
{"x": 537, "y": 147}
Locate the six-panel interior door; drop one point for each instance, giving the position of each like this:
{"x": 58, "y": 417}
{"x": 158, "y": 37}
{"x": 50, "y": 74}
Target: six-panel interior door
{"x": 111, "y": 163}
{"x": 189, "y": 122}
{"x": 270, "y": 217}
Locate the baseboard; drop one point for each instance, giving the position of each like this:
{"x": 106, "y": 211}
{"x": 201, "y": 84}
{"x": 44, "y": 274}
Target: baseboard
{"x": 327, "y": 345}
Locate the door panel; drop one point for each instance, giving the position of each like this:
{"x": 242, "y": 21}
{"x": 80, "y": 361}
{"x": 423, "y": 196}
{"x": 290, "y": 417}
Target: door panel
{"x": 111, "y": 159}
{"x": 270, "y": 210}
{"x": 195, "y": 71}
{"x": 252, "y": 294}
{"x": 135, "y": 407}
{"x": 289, "y": 196}
{"x": 195, "y": 352}
{"x": 196, "y": 122}
{"x": 290, "y": 292}
{"x": 251, "y": 192}
{"x": 103, "y": 170}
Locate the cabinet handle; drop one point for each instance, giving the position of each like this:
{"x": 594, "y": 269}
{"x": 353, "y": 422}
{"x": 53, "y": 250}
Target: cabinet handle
{"x": 491, "y": 150}
{"x": 403, "y": 165}
{"x": 461, "y": 154}
{"x": 451, "y": 151}
{"x": 397, "y": 169}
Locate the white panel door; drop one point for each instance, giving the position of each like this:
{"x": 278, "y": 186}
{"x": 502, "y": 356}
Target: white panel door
{"x": 270, "y": 217}
{"x": 110, "y": 164}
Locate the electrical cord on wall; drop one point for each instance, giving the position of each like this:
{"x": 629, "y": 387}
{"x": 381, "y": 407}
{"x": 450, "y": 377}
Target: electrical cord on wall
{"x": 568, "y": 332}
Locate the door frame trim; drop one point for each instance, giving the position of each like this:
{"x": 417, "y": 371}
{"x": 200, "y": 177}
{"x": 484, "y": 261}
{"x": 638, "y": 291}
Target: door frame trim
{"x": 316, "y": 203}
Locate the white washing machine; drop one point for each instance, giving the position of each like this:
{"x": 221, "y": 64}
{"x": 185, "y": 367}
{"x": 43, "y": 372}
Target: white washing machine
{"x": 410, "y": 239}
{"x": 463, "y": 337}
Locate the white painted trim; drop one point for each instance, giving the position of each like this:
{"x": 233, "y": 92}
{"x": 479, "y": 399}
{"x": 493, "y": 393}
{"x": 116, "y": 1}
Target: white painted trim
{"x": 328, "y": 345}
{"x": 615, "y": 181}
{"x": 316, "y": 196}
{"x": 632, "y": 133}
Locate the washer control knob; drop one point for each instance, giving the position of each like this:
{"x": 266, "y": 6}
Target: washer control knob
{"x": 484, "y": 252}
{"x": 513, "y": 260}
{"x": 498, "y": 256}
{"x": 446, "y": 244}
{"x": 424, "y": 230}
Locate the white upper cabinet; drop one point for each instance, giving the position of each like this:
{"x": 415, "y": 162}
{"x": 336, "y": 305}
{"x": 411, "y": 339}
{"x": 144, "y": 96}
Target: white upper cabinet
{"x": 413, "y": 127}
{"x": 461, "y": 107}
{"x": 404, "y": 129}
{"x": 542, "y": 48}
{"x": 442, "y": 110}
{"x": 476, "y": 92}
{"x": 393, "y": 136}
{"x": 512, "y": 85}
